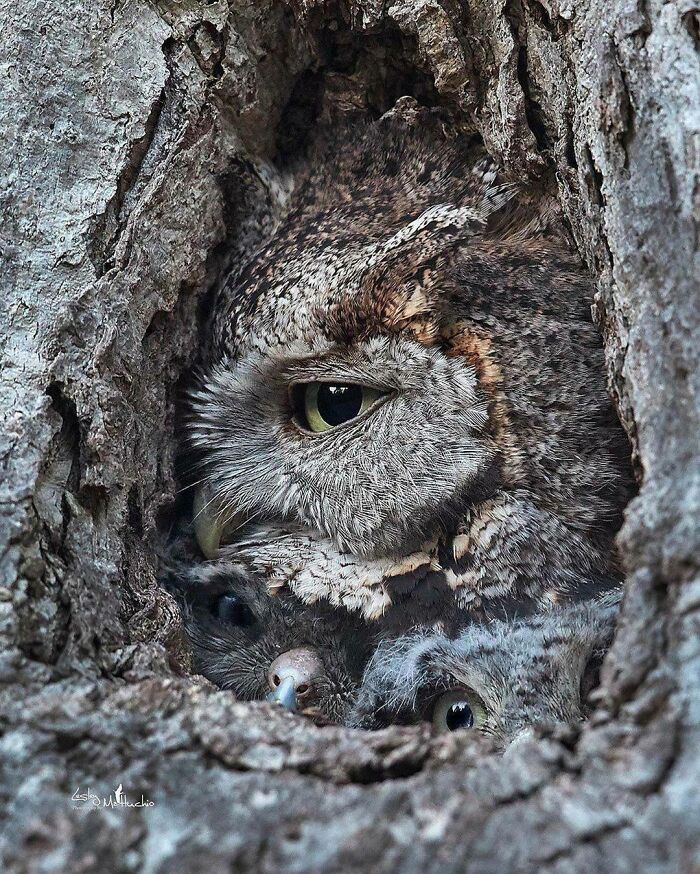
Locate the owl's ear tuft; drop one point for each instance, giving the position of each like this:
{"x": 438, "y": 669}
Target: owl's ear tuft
{"x": 416, "y": 305}
{"x": 415, "y": 313}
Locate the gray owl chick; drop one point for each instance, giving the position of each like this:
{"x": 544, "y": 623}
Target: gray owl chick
{"x": 262, "y": 647}
{"x": 501, "y": 678}
{"x": 405, "y": 413}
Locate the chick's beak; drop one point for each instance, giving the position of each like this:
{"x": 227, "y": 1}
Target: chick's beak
{"x": 293, "y": 676}
{"x": 284, "y": 694}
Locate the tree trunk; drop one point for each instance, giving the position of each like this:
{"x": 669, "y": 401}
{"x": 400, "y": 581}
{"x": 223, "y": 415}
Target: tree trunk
{"x": 129, "y": 130}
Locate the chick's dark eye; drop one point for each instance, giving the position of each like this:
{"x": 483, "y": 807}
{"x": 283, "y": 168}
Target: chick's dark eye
{"x": 459, "y": 715}
{"x": 234, "y": 611}
{"x": 458, "y": 710}
{"x": 321, "y": 406}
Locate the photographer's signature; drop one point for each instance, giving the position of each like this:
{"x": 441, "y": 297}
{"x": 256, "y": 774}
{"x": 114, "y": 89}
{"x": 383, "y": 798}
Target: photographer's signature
{"x": 117, "y": 799}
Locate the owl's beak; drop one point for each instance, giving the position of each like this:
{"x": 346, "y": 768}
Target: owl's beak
{"x": 293, "y": 677}
{"x": 285, "y": 694}
{"x": 211, "y": 521}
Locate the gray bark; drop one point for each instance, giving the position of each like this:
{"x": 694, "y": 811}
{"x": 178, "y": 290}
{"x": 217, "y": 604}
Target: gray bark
{"x": 126, "y": 130}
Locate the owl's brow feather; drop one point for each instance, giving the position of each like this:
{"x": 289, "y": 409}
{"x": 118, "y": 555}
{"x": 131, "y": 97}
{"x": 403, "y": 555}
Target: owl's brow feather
{"x": 387, "y": 275}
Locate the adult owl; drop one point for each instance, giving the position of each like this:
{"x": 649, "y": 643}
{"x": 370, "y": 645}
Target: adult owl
{"x": 405, "y": 410}
{"x": 501, "y": 678}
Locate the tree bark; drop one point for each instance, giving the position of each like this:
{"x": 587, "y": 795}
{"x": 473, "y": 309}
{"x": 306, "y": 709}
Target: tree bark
{"x": 130, "y": 129}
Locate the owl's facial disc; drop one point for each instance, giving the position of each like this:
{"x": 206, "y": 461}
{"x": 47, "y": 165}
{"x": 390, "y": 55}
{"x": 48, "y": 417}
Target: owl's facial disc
{"x": 377, "y": 445}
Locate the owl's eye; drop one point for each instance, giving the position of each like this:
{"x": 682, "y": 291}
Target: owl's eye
{"x": 458, "y": 709}
{"x": 232, "y": 610}
{"x": 321, "y": 406}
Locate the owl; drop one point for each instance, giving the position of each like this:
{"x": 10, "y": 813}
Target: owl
{"x": 502, "y": 678}
{"x": 308, "y": 659}
{"x": 404, "y": 413}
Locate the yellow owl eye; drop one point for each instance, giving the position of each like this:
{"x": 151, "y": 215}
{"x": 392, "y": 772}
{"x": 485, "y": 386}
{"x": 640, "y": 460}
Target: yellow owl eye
{"x": 457, "y": 710}
{"x": 324, "y": 405}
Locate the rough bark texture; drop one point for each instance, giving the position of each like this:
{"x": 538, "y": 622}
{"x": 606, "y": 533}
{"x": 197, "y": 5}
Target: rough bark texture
{"x": 127, "y": 128}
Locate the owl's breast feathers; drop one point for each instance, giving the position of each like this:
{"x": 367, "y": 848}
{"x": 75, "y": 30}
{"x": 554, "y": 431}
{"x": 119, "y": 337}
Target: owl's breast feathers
{"x": 507, "y": 557}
